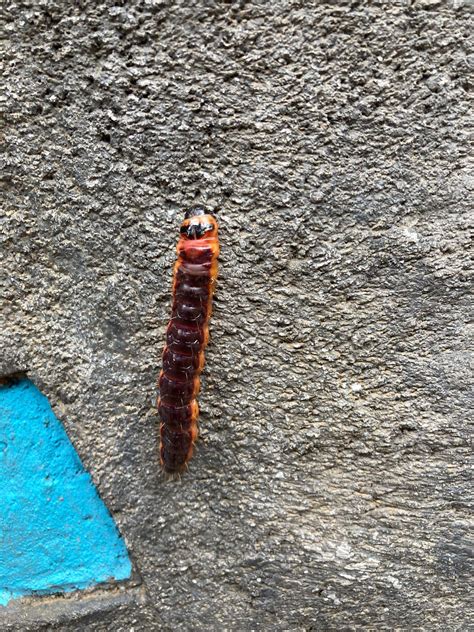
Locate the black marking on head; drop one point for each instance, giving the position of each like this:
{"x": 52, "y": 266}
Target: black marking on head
{"x": 196, "y": 231}
{"x": 196, "y": 211}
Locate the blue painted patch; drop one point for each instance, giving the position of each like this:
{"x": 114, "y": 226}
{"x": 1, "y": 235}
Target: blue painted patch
{"x": 56, "y": 534}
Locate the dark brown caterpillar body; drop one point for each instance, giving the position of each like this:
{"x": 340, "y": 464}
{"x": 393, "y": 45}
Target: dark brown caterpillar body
{"x": 195, "y": 274}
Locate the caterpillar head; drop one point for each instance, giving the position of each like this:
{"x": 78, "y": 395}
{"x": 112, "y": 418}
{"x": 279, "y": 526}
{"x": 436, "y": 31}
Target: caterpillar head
{"x": 198, "y": 224}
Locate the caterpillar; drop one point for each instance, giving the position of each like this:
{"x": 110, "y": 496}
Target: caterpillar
{"x": 187, "y": 335}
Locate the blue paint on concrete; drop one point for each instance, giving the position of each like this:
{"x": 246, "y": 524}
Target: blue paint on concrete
{"x": 56, "y": 534}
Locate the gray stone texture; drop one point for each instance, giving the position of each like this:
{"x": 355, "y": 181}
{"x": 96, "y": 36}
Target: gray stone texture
{"x": 330, "y": 489}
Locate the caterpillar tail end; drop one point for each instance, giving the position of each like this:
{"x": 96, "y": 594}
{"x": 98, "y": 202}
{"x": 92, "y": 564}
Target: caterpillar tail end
{"x": 174, "y": 473}
{"x": 177, "y": 445}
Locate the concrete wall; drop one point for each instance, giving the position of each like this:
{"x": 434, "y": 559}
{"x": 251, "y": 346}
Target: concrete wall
{"x": 330, "y": 490}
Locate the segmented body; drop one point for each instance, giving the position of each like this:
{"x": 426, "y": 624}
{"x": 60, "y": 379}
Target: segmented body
{"x": 187, "y": 335}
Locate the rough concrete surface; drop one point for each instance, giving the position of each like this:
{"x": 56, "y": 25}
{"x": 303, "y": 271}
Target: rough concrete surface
{"x": 331, "y": 489}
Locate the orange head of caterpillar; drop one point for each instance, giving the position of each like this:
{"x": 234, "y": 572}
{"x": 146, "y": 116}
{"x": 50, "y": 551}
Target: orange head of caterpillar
{"x": 198, "y": 224}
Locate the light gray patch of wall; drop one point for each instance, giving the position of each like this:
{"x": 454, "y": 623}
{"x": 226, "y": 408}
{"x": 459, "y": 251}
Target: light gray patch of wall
{"x": 330, "y": 488}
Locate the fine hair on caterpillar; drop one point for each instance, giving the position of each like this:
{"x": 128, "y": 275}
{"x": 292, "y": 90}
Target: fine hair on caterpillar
{"x": 187, "y": 335}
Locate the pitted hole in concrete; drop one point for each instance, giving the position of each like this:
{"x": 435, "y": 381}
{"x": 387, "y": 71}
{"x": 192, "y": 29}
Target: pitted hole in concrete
{"x": 12, "y": 378}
